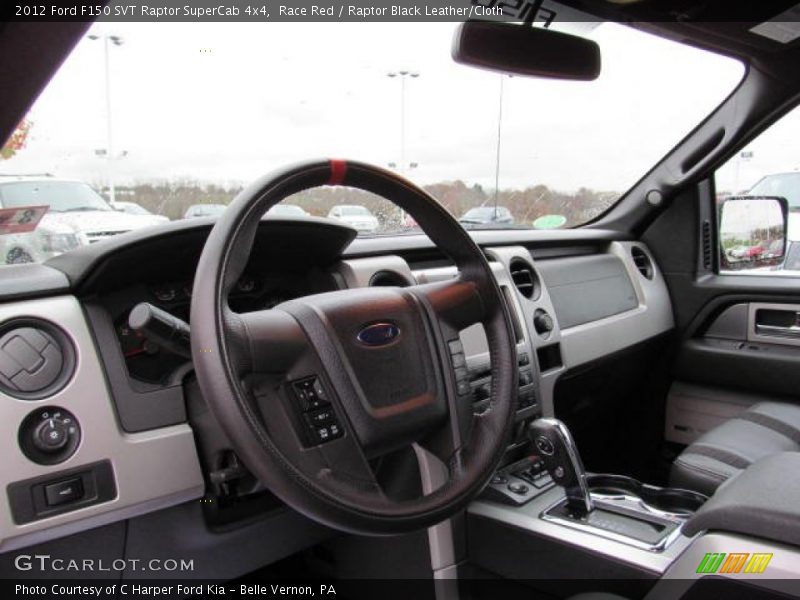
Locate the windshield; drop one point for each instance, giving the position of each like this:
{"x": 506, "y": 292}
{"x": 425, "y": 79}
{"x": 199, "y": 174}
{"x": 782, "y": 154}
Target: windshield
{"x": 206, "y": 210}
{"x": 59, "y": 196}
{"x": 547, "y": 153}
{"x": 354, "y": 211}
{"x": 288, "y": 210}
{"x": 131, "y": 208}
{"x": 786, "y": 185}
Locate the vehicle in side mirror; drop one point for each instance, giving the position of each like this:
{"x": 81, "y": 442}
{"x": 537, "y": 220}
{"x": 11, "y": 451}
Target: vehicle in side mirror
{"x": 519, "y": 49}
{"x": 752, "y": 232}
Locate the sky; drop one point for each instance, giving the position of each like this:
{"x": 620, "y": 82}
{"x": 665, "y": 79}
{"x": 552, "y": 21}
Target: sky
{"x": 225, "y": 103}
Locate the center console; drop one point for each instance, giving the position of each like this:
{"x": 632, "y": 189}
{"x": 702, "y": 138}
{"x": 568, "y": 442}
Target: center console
{"x": 613, "y": 525}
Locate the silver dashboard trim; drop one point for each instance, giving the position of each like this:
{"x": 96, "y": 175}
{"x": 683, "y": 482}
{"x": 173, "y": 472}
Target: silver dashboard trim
{"x": 153, "y": 469}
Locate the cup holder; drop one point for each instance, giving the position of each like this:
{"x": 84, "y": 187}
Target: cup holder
{"x": 668, "y": 500}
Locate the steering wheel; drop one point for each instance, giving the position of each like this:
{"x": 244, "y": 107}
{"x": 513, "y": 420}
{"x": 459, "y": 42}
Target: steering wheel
{"x": 314, "y": 390}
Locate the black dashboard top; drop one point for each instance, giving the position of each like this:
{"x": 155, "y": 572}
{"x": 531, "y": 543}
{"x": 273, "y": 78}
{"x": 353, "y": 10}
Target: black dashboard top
{"x": 286, "y": 244}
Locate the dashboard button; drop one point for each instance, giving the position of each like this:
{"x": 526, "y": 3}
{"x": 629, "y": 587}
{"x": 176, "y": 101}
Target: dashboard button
{"x": 63, "y": 492}
{"x": 463, "y": 387}
{"x": 518, "y": 488}
{"x": 545, "y": 446}
{"x": 456, "y": 347}
{"x": 323, "y": 416}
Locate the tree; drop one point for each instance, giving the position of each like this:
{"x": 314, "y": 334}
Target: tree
{"x": 17, "y": 140}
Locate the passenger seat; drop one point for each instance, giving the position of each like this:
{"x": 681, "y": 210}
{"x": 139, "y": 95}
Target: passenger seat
{"x": 725, "y": 451}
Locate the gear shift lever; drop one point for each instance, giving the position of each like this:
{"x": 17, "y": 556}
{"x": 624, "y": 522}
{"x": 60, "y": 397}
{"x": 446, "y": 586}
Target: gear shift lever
{"x": 555, "y": 445}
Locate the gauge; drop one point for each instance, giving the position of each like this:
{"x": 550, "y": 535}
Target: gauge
{"x": 165, "y": 293}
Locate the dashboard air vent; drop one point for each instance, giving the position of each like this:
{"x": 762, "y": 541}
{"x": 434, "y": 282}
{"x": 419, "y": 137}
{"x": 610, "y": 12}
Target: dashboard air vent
{"x": 525, "y": 278}
{"x": 36, "y": 359}
{"x": 642, "y": 262}
{"x": 387, "y": 278}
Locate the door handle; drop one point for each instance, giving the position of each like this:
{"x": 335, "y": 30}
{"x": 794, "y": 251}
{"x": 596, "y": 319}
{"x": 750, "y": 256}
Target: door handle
{"x": 792, "y": 331}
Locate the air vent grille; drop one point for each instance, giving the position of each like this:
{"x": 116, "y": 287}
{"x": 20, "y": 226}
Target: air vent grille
{"x": 708, "y": 252}
{"x": 643, "y": 263}
{"x": 525, "y": 279}
{"x": 36, "y": 359}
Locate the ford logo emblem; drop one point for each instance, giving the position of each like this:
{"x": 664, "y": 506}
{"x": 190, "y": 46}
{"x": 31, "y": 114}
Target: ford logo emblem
{"x": 379, "y": 334}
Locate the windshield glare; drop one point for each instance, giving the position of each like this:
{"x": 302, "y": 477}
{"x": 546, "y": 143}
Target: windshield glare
{"x": 543, "y": 153}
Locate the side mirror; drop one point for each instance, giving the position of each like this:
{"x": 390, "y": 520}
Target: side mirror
{"x": 752, "y": 232}
{"x": 519, "y": 49}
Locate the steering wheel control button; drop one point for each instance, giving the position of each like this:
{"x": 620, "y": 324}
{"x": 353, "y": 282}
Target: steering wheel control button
{"x": 49, "y": 435}
{"x": 321, "y": 423}
{"x": 545, "y": 446}
{"x": 524, "y": 359}
{"x": 460, "y": 368}
{"x": 310, "y": 394}
{"x": 63, "y": 492}
{"x": 328, "y": 432}
{"x": 499, "y": 480}
{"x": 321, "y": 416}
{"x": 518, "y": 488}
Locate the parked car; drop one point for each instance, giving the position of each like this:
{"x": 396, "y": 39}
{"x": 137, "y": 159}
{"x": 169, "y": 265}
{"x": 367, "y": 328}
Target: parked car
{"x": 132, "y": 208}
{"x": 487, "y": 215}
{"x": 356, "y": 216}
{"x": 204, "y": 210}
{"x": 287, "y": 210}
{"x": 77, "y": 215}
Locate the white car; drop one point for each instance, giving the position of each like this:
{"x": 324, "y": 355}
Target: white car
{"x": 287, "y": 210}
{"x": 355, "y": 215}
{"x": 131, "y": 208}
{"x": 77, "y": 215}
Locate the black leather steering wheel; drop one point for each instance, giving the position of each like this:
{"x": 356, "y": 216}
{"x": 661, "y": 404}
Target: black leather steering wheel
{"x": 376, "y": 368}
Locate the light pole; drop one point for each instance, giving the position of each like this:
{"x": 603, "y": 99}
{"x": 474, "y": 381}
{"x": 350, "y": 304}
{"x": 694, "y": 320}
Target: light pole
{"x": 403, "y": 75}
{"x": 117, "y": 41}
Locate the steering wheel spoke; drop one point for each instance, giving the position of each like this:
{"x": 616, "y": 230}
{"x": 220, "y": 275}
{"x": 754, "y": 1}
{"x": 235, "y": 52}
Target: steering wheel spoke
{"x": 457, "y": 303}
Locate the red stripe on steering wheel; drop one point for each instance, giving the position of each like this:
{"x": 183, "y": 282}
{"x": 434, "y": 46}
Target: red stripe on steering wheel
{"x": 338, "y": 171}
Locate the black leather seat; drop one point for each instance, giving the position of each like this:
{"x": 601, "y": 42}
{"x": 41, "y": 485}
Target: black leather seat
{"x": 725, "y": 451}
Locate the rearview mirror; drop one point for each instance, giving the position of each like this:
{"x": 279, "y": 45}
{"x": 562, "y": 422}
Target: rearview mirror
{"x": 526, "y": 50}
{"x": 752, "y": 232}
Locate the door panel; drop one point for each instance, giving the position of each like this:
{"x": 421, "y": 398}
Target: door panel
{"x": 724, "y": 359}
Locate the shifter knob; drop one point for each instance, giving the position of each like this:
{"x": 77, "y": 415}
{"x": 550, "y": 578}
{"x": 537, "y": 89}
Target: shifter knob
{"x": 555, "y": 445}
